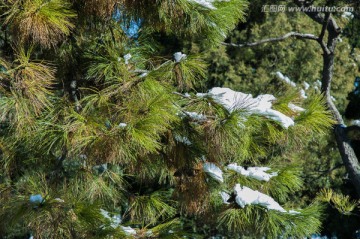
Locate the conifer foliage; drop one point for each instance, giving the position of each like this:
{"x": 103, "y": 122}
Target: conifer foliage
{"x": 107, "y": 135}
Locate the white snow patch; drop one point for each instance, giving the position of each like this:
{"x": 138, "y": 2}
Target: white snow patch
{"x": 178, "y": 56}
{"x": 127, "y": 57}
{"x": 260, "y": 105}
{"x": 258, "y": 173}
{"x": 214, "y": 171}
{"x": 303, "y": 94}
{"x": 128, "y": 230}
{"x": 149, "y": 233}
{"x": 59, "y": 200}
{"x": 196, "y": 116}
{"x": 293, "y": 212}
{"x": 225, "y": 197}
{"x": 115, "y": 220}
{"x": 208, "y": 3}
{"x": 122, "y": 125}
{"x": 182, "y": 139}
{"x": 83, "y": 156}
{"x": 285, "y": 79}
{"x": 280, "y": 117}
{"x": 246, "y": 196}
{"x": 318, "y": 82}
{"x": 143, "y": 75}
{"x": 347, "y": 15}
{"x": 295, "y": 108}
{"x": 230, "y": 99}
{"x": 306, "y": 85}
{"x": 205, "y": 3}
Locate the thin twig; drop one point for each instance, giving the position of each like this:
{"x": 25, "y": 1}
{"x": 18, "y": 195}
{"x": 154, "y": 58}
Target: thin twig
{"x": 275, "y": 39}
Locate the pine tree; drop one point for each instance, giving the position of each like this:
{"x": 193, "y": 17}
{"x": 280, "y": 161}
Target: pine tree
{"x": 256, "y": 69}
{"x": 107, "y": 133}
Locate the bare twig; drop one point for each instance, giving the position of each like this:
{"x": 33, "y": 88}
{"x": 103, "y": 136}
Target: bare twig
{"x": 275, "y": 39}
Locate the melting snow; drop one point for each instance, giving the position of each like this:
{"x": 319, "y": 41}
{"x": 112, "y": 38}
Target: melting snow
{"x": 347, "y": 15}
{"x": 258, "y": 173}
{"x": 127, "y": 57}
{"x": 196, "y": 116}
{"x": 115, "y": 220}
{"x": 178, "y": 56}
{"x": 246, "y": 196}
{"x": 59, "y": 200}
{"x": 306, "y": 85}
{"x": 303, "y": 94}
{"x": 128, "y": 230}
{"x": 295, "y": 108}
{"x": 214, "y": 171}
{"x": 182, "y": 139}
{"x": 293, "y": 212}
{"x": 143, "y": 75}
{"x": 285, "y": 79}
{"x": 225, "y": 197}
{"x": 122, "y": 125}
{"x": 205, "y": 3}
{"x": 208, "y": 3}
{"x": 318, "y": 82}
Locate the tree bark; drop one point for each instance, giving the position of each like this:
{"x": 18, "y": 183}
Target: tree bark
{"x": 346, "y": 151}
{"x": 348, "y": 156}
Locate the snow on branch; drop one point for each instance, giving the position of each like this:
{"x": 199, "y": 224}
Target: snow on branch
{"x": 259, "y": 173}
{"x": 247, "y": 196}
{"x": 262, "y": 104}
{"x": 115, "y": 222}
{"x": 207, "y": 3}
{"x": 285, "y": 79}
{"x": 213, "y": 171}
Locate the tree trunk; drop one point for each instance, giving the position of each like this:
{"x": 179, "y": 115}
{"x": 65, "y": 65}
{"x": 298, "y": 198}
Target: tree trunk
{"x": 347, "y": 153}
{"x": 348, "y": 156}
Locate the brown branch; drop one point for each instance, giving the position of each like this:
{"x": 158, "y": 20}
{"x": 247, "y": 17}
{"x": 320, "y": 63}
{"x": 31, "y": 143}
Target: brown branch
{"x": 275, "y": 39}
